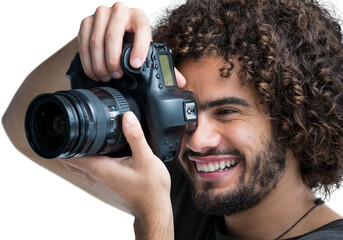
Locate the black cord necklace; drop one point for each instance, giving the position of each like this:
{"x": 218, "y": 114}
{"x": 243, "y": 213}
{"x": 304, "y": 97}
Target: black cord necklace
{"x": 317, "y": 202}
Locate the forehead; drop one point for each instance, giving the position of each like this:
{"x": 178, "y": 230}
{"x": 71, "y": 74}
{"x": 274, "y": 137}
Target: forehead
{"x": 204, "y": 79}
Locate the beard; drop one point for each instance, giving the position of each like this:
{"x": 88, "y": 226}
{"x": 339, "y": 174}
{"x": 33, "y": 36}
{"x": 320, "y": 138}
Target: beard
{"x": 267, "y": 167}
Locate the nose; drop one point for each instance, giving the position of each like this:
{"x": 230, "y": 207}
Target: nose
{"x": 205, "y": 137}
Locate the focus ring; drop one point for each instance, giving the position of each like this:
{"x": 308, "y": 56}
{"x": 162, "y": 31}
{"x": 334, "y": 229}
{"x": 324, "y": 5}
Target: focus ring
{"x": 122, "y": 104}
{"x": 123, "y": 107}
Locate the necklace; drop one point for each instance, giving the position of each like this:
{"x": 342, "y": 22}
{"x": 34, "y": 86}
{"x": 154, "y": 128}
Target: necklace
{"x": 317, "y": 202}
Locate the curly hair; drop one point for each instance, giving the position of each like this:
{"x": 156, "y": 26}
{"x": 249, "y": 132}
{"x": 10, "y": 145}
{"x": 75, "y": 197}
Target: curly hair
{"x": 291, "y": 51}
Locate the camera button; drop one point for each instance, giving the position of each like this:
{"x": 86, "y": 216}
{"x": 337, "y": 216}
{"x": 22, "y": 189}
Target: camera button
{"x": 190, "y": 111}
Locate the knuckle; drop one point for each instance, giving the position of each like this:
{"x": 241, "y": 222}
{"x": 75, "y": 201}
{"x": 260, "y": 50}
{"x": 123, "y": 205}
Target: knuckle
{"x": 89, "y": 73}
{"x": 95, "y": 42}
{"x": 118, "y": 7}
{"x": 141, "y": 14}
{"x": 100, "y": 10}
{"x": 83, "y": 49}
{"x": 99, "y": 70}
{"x": 142, "y": 21}
{"x": 111, "y": 35}
{"x": 112, "y": 64}
{"x": 86, "y": 22}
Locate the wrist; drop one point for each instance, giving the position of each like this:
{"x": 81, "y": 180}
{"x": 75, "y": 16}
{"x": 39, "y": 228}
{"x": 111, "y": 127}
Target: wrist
{"x": 156, "y": 223}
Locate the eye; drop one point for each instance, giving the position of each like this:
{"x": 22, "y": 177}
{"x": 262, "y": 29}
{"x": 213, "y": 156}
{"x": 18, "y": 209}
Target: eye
{"x": 225, "y": 113}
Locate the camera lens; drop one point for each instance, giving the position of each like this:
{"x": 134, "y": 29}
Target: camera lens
{"x": 50, "y": 126}
{"x": 77, "y": 122}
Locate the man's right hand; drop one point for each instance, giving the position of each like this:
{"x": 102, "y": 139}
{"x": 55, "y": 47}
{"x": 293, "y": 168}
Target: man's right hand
{"x": 101, "y": 40}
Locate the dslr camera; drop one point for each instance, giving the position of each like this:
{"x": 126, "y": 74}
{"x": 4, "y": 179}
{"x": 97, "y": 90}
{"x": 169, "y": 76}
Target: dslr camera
{"x": 86, "y": 120}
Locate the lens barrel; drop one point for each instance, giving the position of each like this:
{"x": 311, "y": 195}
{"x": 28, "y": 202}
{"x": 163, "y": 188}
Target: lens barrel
{"x": 77, "y": 122}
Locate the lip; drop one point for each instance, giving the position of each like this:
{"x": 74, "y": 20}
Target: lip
{"x": 212, "y": 159}
{"x": 208, "y": 159}
{"x": 214, "y": 175}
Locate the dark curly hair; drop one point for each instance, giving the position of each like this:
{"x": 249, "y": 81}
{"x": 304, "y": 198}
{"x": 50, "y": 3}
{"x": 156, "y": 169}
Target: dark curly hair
{"x": 291, "y": 51}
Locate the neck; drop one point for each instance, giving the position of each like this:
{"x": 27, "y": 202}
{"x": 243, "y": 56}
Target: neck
{"x": 278, "y": 211}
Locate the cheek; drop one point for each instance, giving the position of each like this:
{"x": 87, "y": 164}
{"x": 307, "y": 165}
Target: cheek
{"x": 242, "y": 137}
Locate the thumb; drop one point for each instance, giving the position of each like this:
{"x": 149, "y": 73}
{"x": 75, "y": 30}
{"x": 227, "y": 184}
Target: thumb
{"x": 135, "y": 137}
{"x": 180, "y": 79}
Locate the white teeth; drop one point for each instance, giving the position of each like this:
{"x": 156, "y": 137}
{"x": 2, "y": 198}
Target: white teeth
{"x": 205, "y": 168}
{"x": 217, "y": 166}
{"x": 210, "y": 167}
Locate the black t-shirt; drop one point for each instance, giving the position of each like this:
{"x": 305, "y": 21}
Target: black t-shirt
{"x": 191, "y": 224}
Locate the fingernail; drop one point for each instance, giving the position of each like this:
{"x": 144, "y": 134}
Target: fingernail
{"x": 116, "y": 75}
{"x": 130, "y": 118}
{"x": 136, "y": 63}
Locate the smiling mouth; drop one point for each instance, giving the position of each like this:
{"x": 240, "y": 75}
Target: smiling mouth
{"x": 216, "y": 166}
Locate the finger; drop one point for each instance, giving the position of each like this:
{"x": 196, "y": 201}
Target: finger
{"x": 180, "y": 79}
{"x": 97, "y": 43}
{"x": 135, "y": 137}
{"x": 114, "y": 39}
{"x": 84, "y": 47}
{"x": 141, "y": 27}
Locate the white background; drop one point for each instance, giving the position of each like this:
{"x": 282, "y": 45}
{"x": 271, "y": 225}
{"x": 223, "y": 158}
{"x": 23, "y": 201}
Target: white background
{"x": 34, "y": 203}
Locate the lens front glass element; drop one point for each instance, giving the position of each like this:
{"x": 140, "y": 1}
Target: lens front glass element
{"x": 51, "y": 126}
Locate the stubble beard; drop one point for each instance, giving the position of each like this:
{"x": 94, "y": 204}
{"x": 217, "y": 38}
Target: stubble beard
{"x": 254, "y": 184}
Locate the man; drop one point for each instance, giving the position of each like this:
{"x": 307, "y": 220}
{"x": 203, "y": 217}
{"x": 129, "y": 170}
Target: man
{"x": 267, "y": 76}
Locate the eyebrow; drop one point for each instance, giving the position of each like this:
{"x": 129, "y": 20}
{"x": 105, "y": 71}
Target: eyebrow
{"x": 222, "y": 101}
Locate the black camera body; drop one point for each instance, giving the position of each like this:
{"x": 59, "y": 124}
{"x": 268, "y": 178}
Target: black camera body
{"x": 87, "y": 119}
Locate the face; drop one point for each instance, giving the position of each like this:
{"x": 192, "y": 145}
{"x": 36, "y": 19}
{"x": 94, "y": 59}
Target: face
{"x": 232, "y": 159}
